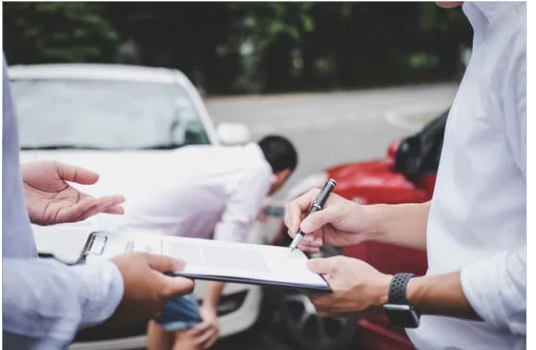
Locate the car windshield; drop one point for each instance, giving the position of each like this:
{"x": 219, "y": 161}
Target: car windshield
{"x": 98, "y": 114}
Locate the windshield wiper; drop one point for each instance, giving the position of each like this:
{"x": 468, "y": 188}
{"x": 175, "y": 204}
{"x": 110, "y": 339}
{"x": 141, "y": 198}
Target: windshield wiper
{"x": 164, "y": 146}
{"x": 56, "y": 147}
{"x": 95, "y": 148}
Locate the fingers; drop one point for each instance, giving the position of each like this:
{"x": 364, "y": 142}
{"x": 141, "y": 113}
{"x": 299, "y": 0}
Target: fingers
{"x": 296, "y": 208}
{"x": 322, "y": 303}
{"x": 73, "y": 173}
{"x": 90, "y": 206}
{"x": 174, "y": 286}
{"x": 115, "y": 210}
{"x": 322, "y": 217}
{"x": 311, "y": 243}
{"x": 200, "y": 328}
{"x": 313, "y": 240}
{"x": 85, "y": 208}
{"x": 211, "y": 341}
{"x": 207, "y": 338}
{"x": 163, "y": 263}
{"x": 113, "y": 204}
{"x": 177, "y": 286}
{"x": 322, "y": 266}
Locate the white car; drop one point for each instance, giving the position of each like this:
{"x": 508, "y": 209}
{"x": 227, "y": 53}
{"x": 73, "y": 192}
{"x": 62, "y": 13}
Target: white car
{"x": 101, "y": 116}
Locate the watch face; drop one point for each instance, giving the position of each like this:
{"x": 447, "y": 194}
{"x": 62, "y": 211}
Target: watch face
{"x": 402, "y": 315}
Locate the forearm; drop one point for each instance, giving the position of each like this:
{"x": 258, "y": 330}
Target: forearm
{"x": 213, "y": 294}
{"x": 493, "y": 290}
{"x": 46, "y": 302}
{"x": 401, "y": 224}
{"x": 440, "y": 295}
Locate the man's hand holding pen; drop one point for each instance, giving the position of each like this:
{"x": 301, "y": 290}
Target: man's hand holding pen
{"x": 341, "y": 222}
{"x": 357, "y": 288}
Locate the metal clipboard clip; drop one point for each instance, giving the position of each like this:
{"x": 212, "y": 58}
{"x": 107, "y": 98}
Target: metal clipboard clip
{"x": 95, "y": 244}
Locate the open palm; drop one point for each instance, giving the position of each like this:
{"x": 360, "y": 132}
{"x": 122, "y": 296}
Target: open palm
{"x": 50, "y": 199}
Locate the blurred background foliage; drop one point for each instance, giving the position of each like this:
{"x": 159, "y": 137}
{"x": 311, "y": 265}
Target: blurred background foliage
{"x": 244, "y": 47}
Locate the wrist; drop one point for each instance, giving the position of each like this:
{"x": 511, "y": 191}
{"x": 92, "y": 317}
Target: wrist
{"x": 414, "y": 292}
{"x": 210, "y": 308}
{"x": 381, "y": 290}
{"x": 375, "y": 216}
{"x": 102, "y": 283}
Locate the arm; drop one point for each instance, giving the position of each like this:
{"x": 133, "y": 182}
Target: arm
{"x": 207, "y": 332}
{"x": 342, "y": 222}
{"x": 243, "y": 207}
{"x": 440, "y": 295}
{"x": 402, "y": 224}
{"x": 213, "y": 295}
{"x": 45, "y": 302}
{"x": 493, "y": 290}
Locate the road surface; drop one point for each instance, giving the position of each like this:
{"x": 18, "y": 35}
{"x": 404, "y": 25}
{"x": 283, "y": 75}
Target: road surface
{"x": 336, "y": 127}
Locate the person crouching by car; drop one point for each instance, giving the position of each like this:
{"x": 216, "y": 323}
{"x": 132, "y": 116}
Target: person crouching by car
{"x": 217, "y": 193}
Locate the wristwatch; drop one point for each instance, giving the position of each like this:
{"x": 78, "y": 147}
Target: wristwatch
{"x": 398, "y": 310}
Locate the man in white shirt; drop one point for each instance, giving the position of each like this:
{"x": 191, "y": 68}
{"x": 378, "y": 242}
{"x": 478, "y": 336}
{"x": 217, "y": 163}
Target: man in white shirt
{"x": 205, "y": 192}
{"x": 474, "y": 229}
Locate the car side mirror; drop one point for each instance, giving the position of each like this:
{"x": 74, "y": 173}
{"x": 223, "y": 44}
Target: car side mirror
{"x": 233, "y": 133}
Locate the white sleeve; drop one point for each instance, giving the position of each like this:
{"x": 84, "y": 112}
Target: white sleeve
{"x": 515, "y": 101}
{"x": 45, "y": 302}
{"x": 243, "y": 207}
{"x": 496, "y": 288}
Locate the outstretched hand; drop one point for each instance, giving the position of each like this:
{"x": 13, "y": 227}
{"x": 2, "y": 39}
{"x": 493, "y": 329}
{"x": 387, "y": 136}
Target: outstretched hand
{"x": 50, "y": 199}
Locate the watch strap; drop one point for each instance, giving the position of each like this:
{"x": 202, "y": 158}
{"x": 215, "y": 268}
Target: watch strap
{"x": 397, "y": 289}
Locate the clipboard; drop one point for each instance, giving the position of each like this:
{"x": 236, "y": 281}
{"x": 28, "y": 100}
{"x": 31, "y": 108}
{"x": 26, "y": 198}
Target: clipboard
{"x": 205, "y": 259}
{"x": 65, "y": 243}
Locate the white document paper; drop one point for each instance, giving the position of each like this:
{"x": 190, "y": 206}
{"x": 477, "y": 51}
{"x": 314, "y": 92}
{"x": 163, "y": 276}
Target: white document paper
{"x": 216, "y": 260}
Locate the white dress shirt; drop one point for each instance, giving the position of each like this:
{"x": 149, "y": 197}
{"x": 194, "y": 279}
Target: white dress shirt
{"x": 477, "y": 221}
{"x": 201, "y": 191}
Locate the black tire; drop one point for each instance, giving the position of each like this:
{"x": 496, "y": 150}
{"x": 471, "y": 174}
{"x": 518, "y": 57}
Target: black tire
{"x": 298, "y": 321}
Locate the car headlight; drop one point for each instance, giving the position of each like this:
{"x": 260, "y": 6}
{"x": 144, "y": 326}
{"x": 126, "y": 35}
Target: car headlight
{"x": 307, "y": 183}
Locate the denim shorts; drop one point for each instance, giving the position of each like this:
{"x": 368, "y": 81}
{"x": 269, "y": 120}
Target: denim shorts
{"x": 180, "y": 313}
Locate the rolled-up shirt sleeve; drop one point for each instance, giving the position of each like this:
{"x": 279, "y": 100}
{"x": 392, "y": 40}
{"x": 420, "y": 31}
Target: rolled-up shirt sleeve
{"x": 45, "y": 302}
{"x": 496, "y": 288}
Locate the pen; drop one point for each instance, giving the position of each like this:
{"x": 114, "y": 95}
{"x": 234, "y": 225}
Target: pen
{"x": 317, "y": 205}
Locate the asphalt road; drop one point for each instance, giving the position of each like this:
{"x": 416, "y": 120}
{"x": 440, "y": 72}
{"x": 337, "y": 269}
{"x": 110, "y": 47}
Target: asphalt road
{"x": 329, "y": 129}
{"x": 336, "y": 127}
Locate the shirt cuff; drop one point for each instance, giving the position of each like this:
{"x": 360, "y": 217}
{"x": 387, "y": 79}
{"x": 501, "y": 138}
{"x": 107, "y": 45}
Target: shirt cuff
{"x": 496, "y": 289}
{"x": 103, "y": 288}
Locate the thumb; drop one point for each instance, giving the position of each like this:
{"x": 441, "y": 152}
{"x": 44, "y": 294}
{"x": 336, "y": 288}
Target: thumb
{"x": 322, "y": 217}
{"x": 177, "y": 286}
{"x": 164, "y": 264}
{"x": 322, "y": 266}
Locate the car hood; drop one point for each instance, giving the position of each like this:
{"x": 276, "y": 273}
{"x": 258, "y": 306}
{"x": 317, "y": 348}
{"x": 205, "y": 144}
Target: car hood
{"x": 375, "y": 173}
{"x": 97, "y": 160}
{"x": 112, "y": 166}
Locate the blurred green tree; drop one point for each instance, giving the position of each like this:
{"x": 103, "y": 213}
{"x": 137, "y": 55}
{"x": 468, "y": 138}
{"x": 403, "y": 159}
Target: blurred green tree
{"x": 57, "y": 32}
{"x": 230, "y": 47}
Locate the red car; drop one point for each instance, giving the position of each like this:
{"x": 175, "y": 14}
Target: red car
{"x": 406, "y": 175}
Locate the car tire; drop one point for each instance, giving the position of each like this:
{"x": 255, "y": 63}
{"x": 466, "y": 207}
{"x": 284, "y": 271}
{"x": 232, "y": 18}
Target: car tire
{"x": 300, "y": 324}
